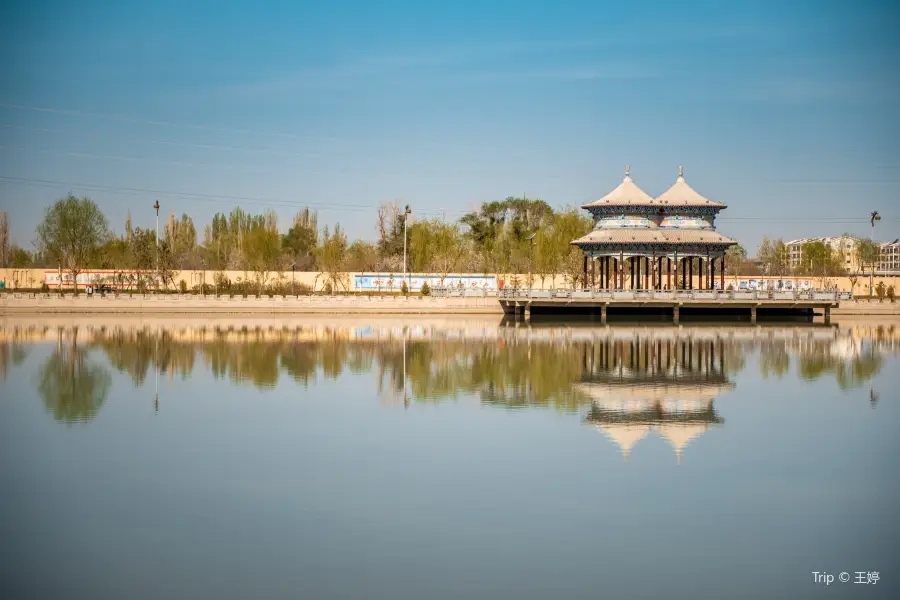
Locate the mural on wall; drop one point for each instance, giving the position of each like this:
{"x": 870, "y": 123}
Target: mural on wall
{"x": 116, "y": 279}
{"x": 382, "y": 282}
{"x": 775, "y": 285}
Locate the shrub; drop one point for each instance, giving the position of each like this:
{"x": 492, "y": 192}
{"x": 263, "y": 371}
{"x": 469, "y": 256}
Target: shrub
{"x": 404, "y": 289}
{"x": 890, "y": 293}
{"x": 426, "y": 290}
{"x": 182, "y": 286}
{"x": 880, "y": 291}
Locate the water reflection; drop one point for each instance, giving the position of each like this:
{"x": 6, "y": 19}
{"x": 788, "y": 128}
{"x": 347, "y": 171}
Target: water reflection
{"x": 635, "y": 380}
{"x": 72, "y": 386}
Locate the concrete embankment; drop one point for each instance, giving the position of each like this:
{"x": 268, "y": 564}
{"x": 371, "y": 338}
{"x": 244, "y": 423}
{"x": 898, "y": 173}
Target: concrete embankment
{"x": 175, "y": 304}
{"x": 867, "y": 308}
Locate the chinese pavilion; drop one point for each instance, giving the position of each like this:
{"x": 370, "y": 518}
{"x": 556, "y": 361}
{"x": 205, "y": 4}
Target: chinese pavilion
{"x": 639, "y": 242}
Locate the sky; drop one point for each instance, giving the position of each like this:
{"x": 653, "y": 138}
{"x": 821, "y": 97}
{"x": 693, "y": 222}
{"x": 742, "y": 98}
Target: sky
{"x": 785, "y": 111}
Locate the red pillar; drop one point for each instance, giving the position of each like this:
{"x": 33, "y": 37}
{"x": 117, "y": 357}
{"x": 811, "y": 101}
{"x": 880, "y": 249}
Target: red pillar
{"x": 668, "y": 272}
{"x": 722, "y": 273}
{"x": 584, "y": 276}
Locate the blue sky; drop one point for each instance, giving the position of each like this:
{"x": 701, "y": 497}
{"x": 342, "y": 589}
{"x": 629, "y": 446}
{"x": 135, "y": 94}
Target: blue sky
{"x": 786, "y": 111}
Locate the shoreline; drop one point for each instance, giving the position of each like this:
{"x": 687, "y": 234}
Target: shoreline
{"x": 190, "y": 305}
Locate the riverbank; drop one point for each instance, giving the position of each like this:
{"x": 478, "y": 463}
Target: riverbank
{"x": 867, "y": 308}
{"x": 189, "y": 304}
{"x": 174, "y": 304}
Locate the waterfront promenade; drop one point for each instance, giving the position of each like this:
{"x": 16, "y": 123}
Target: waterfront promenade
{"x": 666, "y": 305}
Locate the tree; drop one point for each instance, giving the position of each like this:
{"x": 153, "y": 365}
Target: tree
{"x": 362, "y": 256}
{"x": 262, "y": 247}
{"x": 820, "y": 260}
{"x": 4, "y": 239}
{"x": 568, "y": 226}
{"x": 867, "y": 252}
{"x": 72, "y": 230}
{"x": 301, "y": 240}
{"x": 880, "y": 291}
{"x": 332, "y": 256}
{"x": 181, "y": 237}
{"x": 734, "y": 259}
{"x": 19, "y": 258}
{"x": 72, "y": 386}
{"x": 776, "y": 257}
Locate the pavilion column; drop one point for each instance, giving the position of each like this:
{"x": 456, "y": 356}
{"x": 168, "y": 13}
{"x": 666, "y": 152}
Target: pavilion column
{"x": 659, "y": 273}
{"x": 631, "y": 262}
{"x": 722, "y": 273}
{"x": 669, "y": 272}
{"x": 584, "y": 276}
{"x": 606, "y": 262}
{"x": 593, "y": 272}
{"x": 621, "y": 270}
{"x": 647, "y": 272}
{"x": 709, "y": 270}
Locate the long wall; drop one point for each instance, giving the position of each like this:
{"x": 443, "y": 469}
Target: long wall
{"x": 23, "y": 278}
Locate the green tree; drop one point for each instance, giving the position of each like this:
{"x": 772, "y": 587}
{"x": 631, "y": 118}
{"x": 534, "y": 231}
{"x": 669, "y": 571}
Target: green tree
{"x": 71, "y": 232}
{"x": 19, "y": 258}
{"x": 4, "y": 239}
{"x": 72, "y": 386}
{"x": 567, "y": 226}
{"x": 301, "y": 240}
{"x": 262, "y": 248}
{"x": 776, "y": 257}
{"x": 867, "y": 253}
{"x": 332, "y": 257}
{"x": 735, "y": 256}
{"x": 362, "y": 257}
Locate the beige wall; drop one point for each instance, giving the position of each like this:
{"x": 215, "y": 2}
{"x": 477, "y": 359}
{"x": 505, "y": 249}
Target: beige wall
{"x": 33, "y": 278}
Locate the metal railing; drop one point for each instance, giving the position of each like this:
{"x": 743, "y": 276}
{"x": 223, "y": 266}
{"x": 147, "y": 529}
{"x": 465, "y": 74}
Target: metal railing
{"x": 672, "y": 295}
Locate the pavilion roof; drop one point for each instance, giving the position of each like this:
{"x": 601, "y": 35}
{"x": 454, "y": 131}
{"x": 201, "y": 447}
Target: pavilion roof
{"x": 681, "y": 194}
{"x": 655, "y": 235}
{"x": 626, "y": 194}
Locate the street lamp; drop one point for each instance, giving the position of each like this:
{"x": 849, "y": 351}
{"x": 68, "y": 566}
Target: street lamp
{"x": 872, "y": 218}
{"x": 530, "y": 239}
{"x": 405, "y": 222}
{"x": 203, "y": 281}
{"x": 156, "y": 206}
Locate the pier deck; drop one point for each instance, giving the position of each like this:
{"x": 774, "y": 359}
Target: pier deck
{"x": 524, "y": 302}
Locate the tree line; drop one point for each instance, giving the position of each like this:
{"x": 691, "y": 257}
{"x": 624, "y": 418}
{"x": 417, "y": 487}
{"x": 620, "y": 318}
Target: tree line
{"x": 514, "y": 235}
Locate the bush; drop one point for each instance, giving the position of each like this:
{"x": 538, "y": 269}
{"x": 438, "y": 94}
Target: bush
{"x": 404, "y": 289}
{"x": 880, "y": 291}
{"x": 182, "y": 286}
{"x": 46, "y": 288}
{"x": 890, "y": 293}
{"x": 426, "y": 290}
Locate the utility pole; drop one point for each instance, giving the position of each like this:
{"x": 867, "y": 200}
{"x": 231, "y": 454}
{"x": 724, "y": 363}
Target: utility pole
{"x": 156, "y": 206}
{"x": 873, "y": 217}
{"x": 405, "y": 223}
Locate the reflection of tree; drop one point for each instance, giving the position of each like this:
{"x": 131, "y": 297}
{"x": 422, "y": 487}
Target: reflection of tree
{"x": 513, "y": 368}
{"x": 11, "y": 353}
{"x": 774, "y": 359}
{"x": 849, "y": 372}
{"x": 73, "y": 388}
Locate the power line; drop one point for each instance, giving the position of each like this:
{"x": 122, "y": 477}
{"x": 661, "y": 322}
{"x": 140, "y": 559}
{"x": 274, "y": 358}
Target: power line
{"x": 194, "y": 195}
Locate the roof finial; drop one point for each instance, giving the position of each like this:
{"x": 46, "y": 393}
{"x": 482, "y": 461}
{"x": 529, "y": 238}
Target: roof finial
{"x": 680, "y": 172}
{"x": 627, "y": 171}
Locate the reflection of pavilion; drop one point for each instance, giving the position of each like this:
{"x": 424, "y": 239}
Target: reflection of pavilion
{"x": 666, "y": 385}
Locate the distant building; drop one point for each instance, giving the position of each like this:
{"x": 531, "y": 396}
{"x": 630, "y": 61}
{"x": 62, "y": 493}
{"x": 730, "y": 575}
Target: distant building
{"x": 847, "y": 246}
{"x": 844, "y": 245}
{"x": 889, "y": 258}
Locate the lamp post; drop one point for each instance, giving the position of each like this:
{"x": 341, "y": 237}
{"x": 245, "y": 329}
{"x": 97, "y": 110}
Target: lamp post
{"x": 405, "y": 222}
{"x": 530, "y": 239}
{"x": 872, "y": 218}
{"x": 156, "y": 206}
{"x": 203, "y": 281}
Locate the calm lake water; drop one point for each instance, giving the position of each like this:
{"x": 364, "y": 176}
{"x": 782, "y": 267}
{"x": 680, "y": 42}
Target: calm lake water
{"x": 428, "y": 458}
